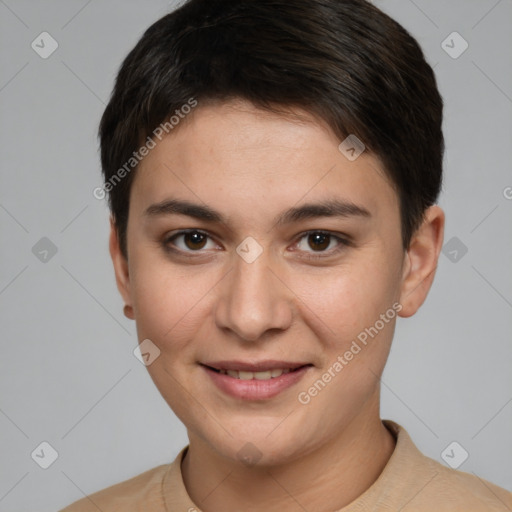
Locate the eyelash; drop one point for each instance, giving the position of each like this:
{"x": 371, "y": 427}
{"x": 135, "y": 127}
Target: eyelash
{"x": 342, "y": 243}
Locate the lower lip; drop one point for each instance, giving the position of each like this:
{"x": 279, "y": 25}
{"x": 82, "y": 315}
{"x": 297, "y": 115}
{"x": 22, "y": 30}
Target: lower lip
{"x": 255, "y": 389}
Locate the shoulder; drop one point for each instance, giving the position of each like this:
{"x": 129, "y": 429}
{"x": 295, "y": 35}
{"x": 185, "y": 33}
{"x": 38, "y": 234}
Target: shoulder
{"x": 452, "y": 489}
{"x": 133, "y": 495}
{"x": 412, "y": 480}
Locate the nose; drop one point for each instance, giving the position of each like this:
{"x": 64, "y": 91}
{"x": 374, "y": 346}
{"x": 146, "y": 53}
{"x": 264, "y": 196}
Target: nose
{"x": 254, "y": 299}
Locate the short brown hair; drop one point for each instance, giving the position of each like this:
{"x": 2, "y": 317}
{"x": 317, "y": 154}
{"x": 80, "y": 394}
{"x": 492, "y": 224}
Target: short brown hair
{"x": 342, "y": 60}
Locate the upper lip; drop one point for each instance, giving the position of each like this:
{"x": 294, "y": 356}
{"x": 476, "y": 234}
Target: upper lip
{"x": 255, "y": 366}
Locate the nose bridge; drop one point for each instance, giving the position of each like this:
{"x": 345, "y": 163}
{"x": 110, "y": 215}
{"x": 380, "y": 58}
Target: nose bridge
{"x": 253, "y": 300}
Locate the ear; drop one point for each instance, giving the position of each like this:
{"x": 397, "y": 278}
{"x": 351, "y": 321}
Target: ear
{"x": 120, "y": 268}
{"x": 420, "y": 261}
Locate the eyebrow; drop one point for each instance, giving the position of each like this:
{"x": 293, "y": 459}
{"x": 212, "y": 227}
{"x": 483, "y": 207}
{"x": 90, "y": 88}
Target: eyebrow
{"x": 326, "y": 208}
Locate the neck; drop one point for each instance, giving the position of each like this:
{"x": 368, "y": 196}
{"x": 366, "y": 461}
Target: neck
{"x": 327, "y": 478}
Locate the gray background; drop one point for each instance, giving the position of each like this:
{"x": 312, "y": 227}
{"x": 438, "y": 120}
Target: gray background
{"x": 67, "y": 372}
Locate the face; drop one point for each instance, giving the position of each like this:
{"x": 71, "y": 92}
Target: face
{"x": 256, "y": 246}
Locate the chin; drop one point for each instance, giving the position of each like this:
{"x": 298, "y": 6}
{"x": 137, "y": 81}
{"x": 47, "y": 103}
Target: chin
{"x": 259, "y": 447}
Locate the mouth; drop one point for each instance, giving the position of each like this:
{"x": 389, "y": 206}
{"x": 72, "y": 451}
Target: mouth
{"x": 262, "y": 375}
{"x": 255, "y": 381}
{"x": 264, "y": 370}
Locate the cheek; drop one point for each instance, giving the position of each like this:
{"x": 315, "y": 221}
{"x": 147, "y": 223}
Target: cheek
{"x": 356, "y": 341}
{"x": 158, "y": 305}
{"x": 169, "y": 301}
{"x": 349, "y": 298}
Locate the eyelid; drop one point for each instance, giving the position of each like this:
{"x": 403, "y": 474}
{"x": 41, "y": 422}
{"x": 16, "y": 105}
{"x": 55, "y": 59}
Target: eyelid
{"x": 170, "y": 238}
{"x": 343, "y": 242}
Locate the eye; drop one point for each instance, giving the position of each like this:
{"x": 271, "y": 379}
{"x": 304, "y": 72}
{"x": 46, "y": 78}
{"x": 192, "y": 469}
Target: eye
{"x": 320, "y": 242}
{"x": 191, "y": 240}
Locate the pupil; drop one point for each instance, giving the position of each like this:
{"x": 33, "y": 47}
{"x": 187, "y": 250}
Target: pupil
{"x": 320, "y": 241}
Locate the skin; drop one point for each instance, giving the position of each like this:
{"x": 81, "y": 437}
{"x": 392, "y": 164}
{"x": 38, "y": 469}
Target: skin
{"x": 251, "y": 165}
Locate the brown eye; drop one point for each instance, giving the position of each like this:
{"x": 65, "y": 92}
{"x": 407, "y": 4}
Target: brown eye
{"x": 323, "y": 243}
{"x": 194, "y": 240}
{"x": 319, "y": 241}
{"x": 189, "y": 241}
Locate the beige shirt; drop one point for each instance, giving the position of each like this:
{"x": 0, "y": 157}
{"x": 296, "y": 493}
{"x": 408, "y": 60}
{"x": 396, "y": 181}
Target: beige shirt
{"x": 410, "y": 482}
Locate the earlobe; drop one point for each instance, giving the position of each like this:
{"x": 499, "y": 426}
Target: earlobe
{"x": 421, "y": 260}
{"x": 128, "y": 312}
{"x": 120, "y": 267}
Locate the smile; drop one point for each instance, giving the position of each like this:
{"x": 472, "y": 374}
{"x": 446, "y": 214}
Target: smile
{"x": 249, "y": 381}
{"x": 265, "y": 375}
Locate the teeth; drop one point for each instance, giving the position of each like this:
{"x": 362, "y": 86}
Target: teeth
{"x": 265, "y": 375}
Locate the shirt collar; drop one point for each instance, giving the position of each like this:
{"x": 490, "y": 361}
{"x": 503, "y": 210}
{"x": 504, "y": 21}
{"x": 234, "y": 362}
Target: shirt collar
{"x": 395, "y": 486}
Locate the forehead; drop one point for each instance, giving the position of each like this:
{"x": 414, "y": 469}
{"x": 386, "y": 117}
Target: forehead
{"x": 236, "y": 156}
